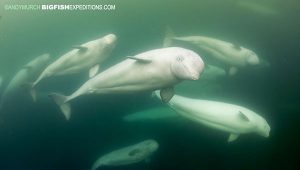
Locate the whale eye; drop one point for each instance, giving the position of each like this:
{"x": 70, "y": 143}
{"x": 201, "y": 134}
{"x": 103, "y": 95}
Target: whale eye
{"x": 180, "y": 58}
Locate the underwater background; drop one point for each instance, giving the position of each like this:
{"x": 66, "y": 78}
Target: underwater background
{"x": 35, "y": 136}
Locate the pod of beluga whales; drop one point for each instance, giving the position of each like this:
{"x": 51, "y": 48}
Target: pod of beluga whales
{"x": 157, "y": 71}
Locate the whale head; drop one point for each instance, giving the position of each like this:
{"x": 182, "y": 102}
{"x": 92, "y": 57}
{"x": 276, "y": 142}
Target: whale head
{"x": 149, "y": 146}
{"x": 143, "y": 149}
{"x": 107, "y": 43}
{"x": 263, "y": 127}
{"x": 251, "y": 58}
{"x": 187, "y": 65}
{"x": 39, "y": 62}
{"x": 110, "y": 39}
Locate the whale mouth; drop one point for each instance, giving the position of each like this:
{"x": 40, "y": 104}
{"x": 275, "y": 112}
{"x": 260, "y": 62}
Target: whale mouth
{"x": 195, "y": 76}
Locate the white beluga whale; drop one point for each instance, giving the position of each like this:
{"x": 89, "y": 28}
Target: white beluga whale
{"x": 29, "y": 72}
{"x": 230, "y": 55}
{"x": 148, "y": 71}
{"x": 155, "y": 114}
{"x": 234, "y": 119}
{"x": 128, "y": 155}
{"x": 87, "y": 56}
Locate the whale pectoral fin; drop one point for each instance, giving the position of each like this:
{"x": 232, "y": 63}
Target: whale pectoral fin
{"x": 94, "y": 70}
{"x": 232, "y": 71}
{"x": 140, "y": 60}
{"x": 166, "y": 94}
{"x": 30, "y": 88}
{"x": 243, "y": 116}
{"x": 232, "y": 137}
{"x": 80, "y": 48}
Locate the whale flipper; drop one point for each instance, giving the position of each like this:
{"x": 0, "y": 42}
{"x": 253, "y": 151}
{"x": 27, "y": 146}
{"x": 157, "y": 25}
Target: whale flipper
{"x": 243, "y": 116}
{"x": 140, "y": 60}
{"x": 30, "y": 88}
{"x": 232, "y": 137}
{"x": 166, "y": 94}
{"x": 81, "y": 48}
{"x": 60, "y": 100}
{"x": 94, "y": 70}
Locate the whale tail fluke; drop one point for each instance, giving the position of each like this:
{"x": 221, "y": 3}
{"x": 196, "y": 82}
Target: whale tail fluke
{"x": 168, "y": 37}
{"x": 156, "y": 94}
{"x": 31, "y": 89}
{"x": 96, "y": 165}
{"x": 61, "y": 101}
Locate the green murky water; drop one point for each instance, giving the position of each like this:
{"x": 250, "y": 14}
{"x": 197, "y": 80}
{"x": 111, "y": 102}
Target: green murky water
{"x": 35, "y": 136}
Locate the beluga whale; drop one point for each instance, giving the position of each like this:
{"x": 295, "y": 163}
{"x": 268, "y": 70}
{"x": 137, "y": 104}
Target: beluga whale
{"x": 27, "y": 73}
{"x": 234, "y": 119}
{"x": 87, "y": 56}
{"x": 232, "y": 56}
{"x": 148, "y": 71}
{"x": 128, "y": 155}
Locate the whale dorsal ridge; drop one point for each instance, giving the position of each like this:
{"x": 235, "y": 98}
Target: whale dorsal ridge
{"x": 243, "y": 116}
{"x": 81, "y": 48}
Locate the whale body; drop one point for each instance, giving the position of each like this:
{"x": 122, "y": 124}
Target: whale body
{"x": 233, "y": 56}
{"x": 28, "y": 73}
{"x": 226, "y": 117}
{"x": 148, "y": 71}
{"x": 128, "y": 155}
{"x": 86, "y": 56}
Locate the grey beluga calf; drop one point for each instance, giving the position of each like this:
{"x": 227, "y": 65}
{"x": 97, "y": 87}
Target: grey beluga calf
{"x": 27, "y": 73}
{"x": 128, "y": 155}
